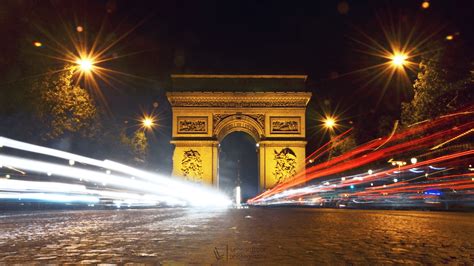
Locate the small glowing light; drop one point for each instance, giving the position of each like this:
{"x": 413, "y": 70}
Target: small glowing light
{"x": 148, "y": 122}
{"x": 108, "y": 172}
{"x": 384, "y": 185}
{"x": 413, "y": 160}
{"x": 71, "y": 162}
{"x": 329, "y": 122}
{"x": 370, "y": 171}
{"x": 49, "y": 173}
{"x": 425, "y": 4}
{"x": 371, "y": 184}
{"x": 79, "y": 29}
{"x": 237, "y": 196}
{"x": 399, "y": 60}
{"x": 310, "y": 161}
{"x": 257, "y": 145}
{"x": 7, "y": 176}
{"x": 352, "y": 186}
{"x": 395, "y": 180}
{"x": 449, "y": 37}
{"x": 37, "y": 44}
{"x": 343, "y": 178}
{"x": 85, "y": 64}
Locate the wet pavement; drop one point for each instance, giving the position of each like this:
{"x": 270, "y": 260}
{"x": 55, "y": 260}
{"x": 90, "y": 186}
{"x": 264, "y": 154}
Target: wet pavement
{"x": 245, "y": 236}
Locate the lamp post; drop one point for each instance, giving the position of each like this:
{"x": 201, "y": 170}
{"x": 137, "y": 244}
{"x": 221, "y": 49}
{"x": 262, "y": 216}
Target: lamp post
{"x": 399, "y": 164}
{"x": 329, "y": 123}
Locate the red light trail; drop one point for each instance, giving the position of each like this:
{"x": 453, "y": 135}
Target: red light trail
{"x": 417, "y": 139}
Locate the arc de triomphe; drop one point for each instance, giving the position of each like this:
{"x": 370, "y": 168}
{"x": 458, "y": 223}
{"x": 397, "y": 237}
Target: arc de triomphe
{"x": 206, "y": 108}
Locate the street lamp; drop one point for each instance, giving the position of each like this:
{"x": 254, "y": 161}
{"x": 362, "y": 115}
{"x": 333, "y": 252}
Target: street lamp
{"x": 399, "y": 164}
{"x": 148, "y": 122}
{"x": 329, "y": 122}
{"x": 85, "y": 64}
{"x": 399, "y": 60}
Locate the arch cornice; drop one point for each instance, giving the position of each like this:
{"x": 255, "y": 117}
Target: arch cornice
{"x": 239, "y": 99}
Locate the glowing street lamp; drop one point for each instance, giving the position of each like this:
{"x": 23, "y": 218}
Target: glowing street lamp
{"x": 329, "y": 122}
{"x": 148, "y": 122}
{"x": 85, "y": 64}
{"x": 399, "y": 60}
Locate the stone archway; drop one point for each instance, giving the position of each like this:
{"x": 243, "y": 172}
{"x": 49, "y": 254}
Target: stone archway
{"x": 251, "y": 124}
{"x": 276, "y": 121}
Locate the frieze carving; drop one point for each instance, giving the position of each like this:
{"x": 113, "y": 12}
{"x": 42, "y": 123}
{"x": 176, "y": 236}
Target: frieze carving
{"x": 285, "y": 165}
{"x": 239, "y": 104}
{"x": 285, "y": 125}
{"x": 192, "y": 125}
{"x": 259, "y": 118}
{"x": 191, "y": 165}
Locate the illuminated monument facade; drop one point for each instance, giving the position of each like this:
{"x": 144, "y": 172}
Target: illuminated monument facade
{"x": 270, "y": 108}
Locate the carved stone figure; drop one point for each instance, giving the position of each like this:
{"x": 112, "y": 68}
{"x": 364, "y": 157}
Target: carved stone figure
{"x": 192, "y": 126}
{"x": 285, "y": 126}
{"x": 285, "y": 167}
{"x": 191, "y": 165}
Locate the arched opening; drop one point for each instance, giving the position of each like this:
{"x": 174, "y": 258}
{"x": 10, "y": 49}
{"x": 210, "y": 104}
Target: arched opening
{"x": 238, "y": 164}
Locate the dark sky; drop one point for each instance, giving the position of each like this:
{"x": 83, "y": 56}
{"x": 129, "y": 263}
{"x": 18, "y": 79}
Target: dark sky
{"x": 233, "y": 37}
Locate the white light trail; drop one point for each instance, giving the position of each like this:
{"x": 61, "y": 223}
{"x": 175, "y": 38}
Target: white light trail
{"x": 192, "y": 195}
{"x": 196, "y": 195}
{"x": 23, "y": 186}
{"x": 50, "y": 197}
{"x": 32, "y": 186}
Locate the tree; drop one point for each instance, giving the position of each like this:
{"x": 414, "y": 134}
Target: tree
{"x": 139, "y": 145}
{"x": 342, "y": 146}
{"x": 62, "y": 107}
{"x": 444, "y": 84}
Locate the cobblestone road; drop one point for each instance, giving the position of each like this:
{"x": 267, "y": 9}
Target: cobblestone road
{"x": 246, "y": 236}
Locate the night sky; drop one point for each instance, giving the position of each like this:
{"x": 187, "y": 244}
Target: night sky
{"x": 316, "y": 38}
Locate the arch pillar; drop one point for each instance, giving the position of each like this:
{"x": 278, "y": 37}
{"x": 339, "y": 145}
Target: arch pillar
{"x": 196, "y": 161}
